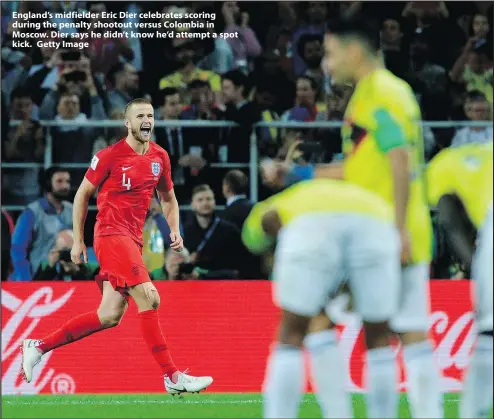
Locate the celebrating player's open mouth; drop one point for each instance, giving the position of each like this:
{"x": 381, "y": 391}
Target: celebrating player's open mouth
{"x": 145, "y": 132}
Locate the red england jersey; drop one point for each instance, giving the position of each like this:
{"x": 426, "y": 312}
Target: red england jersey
{"x": 126, "y": 182}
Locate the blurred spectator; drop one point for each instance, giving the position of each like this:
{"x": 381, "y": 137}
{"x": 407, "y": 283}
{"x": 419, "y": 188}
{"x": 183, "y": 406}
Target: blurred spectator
{"x": 238, "y": 109}
{"x": 38, "y": 226}
{"x": 171, "y": 268}
{"x": 316, "y": 13}
{"x": 428, "y": 80}
{"x": 106, "y": 52}
{"x": 7, "y": 230}
{"x": 310, "y": 49}
{"x": 472, "y": 68}
{"x": 330, "y": 138}
{"x": 245, "y": 46}
{"x": 112, "y": 135}
{"x": 306, "y": 108}
{"x": 395, "y": 55}
{"x": 59, "y": 265}
{"x": 221, "y": 59}
{"x": 134, "y": 43}
{"x": 187, "y": 158}
{"x": 481, "y": 28}
{"x": 15, "y": 71}
{"x": 71, "y": 143}
{"x": 267, "y": 138}
{"x": 202, "y": 105}
{"x": 477, "y": 108}
{"x": 278, "y": 38}
{"x": 214, "y": 244}
{"x": 125, "y": 85}
{"x": 238, "y": 206}
{"x": 186, "y": 54}
{"x": 75, "y": 78}
{"x": 64, "y": 7}
{"x": 24, "y": 143}
{"x": 54, "y": 73}
{"x": 269, "y": 72}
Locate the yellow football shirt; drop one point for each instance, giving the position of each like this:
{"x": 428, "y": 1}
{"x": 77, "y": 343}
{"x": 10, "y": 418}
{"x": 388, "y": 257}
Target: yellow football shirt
{"x": 383, "y": 114}
{"x": 178, "y": 80}
{"x": 312, "y": 196}
{"x": 465, "y": 172}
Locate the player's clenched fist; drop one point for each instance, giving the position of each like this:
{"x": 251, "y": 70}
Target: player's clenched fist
{"x": 77, "y": 250}
{"x": 177, "y": 242}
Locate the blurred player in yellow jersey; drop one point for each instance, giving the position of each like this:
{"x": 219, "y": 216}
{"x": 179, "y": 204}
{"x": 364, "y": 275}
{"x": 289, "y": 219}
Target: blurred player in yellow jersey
{"x": 460, "y": 187}
{"x": 383, "y": 153}
{"x": 324, "y": 227}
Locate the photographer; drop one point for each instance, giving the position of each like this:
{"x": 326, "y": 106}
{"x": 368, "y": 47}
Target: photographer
{"x": 74, "y": 89}
{"x": 59, "y": 265}
{"x": 24, "y": 143}
{"x": 181, "y": 266}
{"x": 77, "y": 79}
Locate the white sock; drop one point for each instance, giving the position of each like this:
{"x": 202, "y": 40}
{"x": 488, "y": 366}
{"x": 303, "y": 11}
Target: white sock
{"x": 284, "y": 383}
{"x": 382, "y": 383}
{"x": 328, "y": 374}
{"x": 424, "y": 381}
{"x": 476, "y": 401}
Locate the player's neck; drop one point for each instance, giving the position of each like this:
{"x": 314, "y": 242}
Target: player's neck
{"x": 204, "y": 220}
{"x": 137, "y": 146}
{"x": 366, "y": 68}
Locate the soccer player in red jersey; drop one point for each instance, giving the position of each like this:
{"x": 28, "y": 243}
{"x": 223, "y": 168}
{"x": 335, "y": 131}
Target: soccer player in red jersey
{"x": 127, "y": 174}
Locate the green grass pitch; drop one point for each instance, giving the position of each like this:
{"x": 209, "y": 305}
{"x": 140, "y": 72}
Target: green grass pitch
{"x": 207, "y": 405}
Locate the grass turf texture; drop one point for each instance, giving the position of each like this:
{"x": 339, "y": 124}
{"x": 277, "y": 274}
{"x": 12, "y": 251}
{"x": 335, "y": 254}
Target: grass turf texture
{"x": 164, "y": 406}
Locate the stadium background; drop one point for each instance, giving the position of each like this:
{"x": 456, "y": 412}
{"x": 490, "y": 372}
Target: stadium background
{"x": 429, "y": 44}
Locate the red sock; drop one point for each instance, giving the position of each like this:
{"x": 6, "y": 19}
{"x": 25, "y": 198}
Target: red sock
{"x": 75, "y": 329}
{"x": 153, "y": 336}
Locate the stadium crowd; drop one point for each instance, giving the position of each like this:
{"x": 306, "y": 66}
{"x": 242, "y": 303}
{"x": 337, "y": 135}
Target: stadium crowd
{"x": 271, "y": 72}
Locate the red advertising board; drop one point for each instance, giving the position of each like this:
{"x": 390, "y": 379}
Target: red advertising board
{"x": 219, "y": 328}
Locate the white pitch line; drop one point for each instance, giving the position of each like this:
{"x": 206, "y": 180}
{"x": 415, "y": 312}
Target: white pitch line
{"x": 131, "y": 402}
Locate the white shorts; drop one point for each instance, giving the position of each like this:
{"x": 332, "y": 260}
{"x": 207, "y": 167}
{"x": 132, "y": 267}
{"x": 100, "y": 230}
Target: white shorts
{"x": 313, "y": 252}
{"x": 414, "y": 304}
{"x": 482, "y": 276}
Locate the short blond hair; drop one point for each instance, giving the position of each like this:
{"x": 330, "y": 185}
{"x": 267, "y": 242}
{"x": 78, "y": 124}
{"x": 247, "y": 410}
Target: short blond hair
{"x": 138, "y": 101}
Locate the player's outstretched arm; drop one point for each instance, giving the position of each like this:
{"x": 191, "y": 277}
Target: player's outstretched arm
{"x": 278, "y": 174}
{"x": 171, "y": 211}
{"x": 81, "y": 202}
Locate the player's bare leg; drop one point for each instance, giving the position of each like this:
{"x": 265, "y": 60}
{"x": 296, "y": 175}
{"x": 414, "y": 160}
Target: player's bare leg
{"x": 284, "y": 382}
{"x": 147, "y": 300}
{"x": 327, "y": 368}
{"x": 109, "y": 314}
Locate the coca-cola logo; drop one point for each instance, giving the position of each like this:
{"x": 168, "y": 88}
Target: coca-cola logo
{"x": 38, "y": 305}
{"x": 454, "y": 344}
